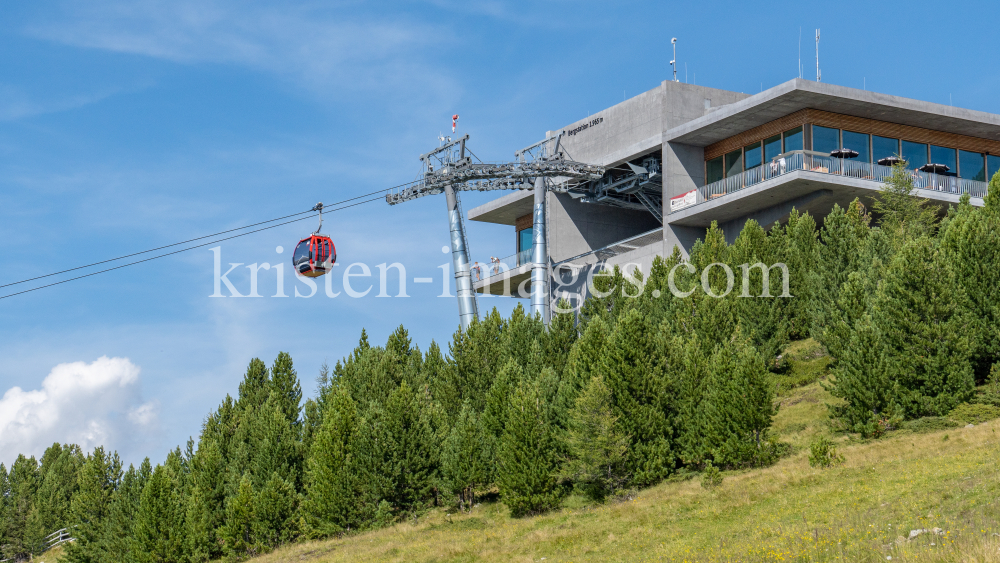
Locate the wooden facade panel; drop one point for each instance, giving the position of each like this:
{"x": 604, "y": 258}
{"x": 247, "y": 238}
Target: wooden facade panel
{"x": 852, "y": 123}
{"x": 523, "y": 222}
{"x": 758, "y": 133}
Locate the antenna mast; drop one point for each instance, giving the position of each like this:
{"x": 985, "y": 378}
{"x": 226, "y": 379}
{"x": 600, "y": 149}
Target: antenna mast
{"x": 819, "y": 75}
{"x": 673, "y": 63}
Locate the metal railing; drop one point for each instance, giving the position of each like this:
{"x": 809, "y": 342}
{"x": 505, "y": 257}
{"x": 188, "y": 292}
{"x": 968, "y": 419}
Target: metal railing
{"x": 506, "y": 264}
{"x": 824, "y": 164}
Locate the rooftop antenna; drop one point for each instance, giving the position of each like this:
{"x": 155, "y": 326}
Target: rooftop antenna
{"x": 800, "y": 51}
{"x": 673, "y": 63}
{"x": 819, "y": 75}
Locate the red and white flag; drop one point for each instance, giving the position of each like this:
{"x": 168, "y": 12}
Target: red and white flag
{"x": 454, "y": 119}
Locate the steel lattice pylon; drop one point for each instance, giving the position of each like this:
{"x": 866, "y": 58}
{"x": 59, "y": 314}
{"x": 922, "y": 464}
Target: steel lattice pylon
{"x": 457, "y": 172}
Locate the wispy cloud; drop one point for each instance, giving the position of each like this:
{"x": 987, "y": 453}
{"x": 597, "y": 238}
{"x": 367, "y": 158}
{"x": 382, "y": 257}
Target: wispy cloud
{"x": 312, "y": 46}
{"x": 15, "y": 103}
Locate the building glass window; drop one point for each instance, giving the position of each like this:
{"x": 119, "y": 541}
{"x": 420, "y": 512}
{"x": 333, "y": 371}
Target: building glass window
{"x": 857, "y": 142}
{"x": 524, "y": 239}
{"x": 825, "y": 139}
{"x": 793, "y": 139}
{"x": 946, "y": 156}
{"x": 752, "y": 156}
{"x": 734, "y": 163}
{"x": 971, "y": 166}
{"x": 772, "y": 147}
{"x": 992, "y": 166}
{"x": 884, "y": 147}
{"x": 714, "y": 170}
{"x": 915, "y": 154}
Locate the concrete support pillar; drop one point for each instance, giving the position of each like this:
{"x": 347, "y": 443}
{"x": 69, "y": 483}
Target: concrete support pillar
{"x": 539, "y": 256}
{"x": 460, "y": 262}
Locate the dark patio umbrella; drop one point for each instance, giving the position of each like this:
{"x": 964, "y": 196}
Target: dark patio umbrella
{"x": 935, "y": 168}
{"x": 890, "y": 161}
{"x": 844, "y": 153}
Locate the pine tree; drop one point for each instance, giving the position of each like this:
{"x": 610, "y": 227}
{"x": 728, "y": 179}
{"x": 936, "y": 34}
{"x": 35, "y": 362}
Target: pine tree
{"x": 119, "y": 545}
{"x": 633, "y": 366}
{"x": 58, "y": 483}
{"x": 274, "y": 514}
{"x": 842, "y": 236}
{"x": 416, "y": 451}
{"x": 863, "y": 381}
{"x": 767, "y": 321}
{"x": 23, "y": 484}
{"x": 205, "y": 510}
{"x": 558, "y": 340}
{"x": 98, "y": 479}
{"x": 330, "y": 503}
{"x": 920, "y": 315}
{"x": 971, "y": 240}
{"x": 597, "y": 447}
{"x": 526, "y": 464}
{"x": 583, "y": 363}
{"x": 285, "y": 385}
{"x": 159, "y": 519}
{"x": 237, "y": 533}
{"x": 464, "y": 458}
{"x": 737, "y": 407}
{"x": 255, "y": 387}
{"x": 903, "y": 215}
{"x": 377, "y": 471}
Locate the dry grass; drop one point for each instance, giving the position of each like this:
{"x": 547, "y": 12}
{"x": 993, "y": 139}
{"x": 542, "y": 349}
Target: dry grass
{"x": 789, "y": 512}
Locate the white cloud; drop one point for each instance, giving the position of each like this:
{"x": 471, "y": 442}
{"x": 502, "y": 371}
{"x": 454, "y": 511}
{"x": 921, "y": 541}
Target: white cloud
{"x": 87, "y": 404}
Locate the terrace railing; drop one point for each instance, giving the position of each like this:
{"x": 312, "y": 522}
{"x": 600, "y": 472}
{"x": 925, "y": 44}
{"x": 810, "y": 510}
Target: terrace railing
{"x": 824, "y": 164}
{"x": 512, "y": 262}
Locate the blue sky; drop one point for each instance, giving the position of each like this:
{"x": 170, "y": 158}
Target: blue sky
{"x": 128, "y": 125}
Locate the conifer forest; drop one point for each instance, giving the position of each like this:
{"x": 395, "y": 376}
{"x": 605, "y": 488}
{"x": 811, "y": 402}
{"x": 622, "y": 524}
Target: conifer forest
{"x": 628, "y": 391}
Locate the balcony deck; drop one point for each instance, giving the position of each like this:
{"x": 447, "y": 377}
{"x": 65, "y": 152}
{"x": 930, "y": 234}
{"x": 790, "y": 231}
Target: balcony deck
{"x": 814, "y": 183}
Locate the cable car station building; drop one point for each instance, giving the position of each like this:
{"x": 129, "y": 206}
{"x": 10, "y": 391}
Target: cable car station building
{"x": 681, "y": 156}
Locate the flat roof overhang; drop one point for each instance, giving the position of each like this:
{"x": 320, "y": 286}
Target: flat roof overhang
{"x": 798, "y": 94}
{"x": 812, "y": 192}
{"x": 506, "y": 209}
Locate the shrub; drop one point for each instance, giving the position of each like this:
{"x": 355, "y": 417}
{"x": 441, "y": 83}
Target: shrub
{"x": 930, "y": 424}
{"x": 823, "y": 454}
{"x": 712, "y": 477}
{"x": 974, "y": 413}
{"x": 989, "y": 394}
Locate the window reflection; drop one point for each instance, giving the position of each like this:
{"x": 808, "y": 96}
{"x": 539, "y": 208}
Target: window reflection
{"x": 884, "y": 147}
{"x": 793, "y": 139}
{"x": 524, "y": 239}
{"x": 772, "y": 147}
{"x": 971, "y": 166}
{"x": 714, "y": 170}
{"x": 734, "y": 163}
{"x": 915, "y": 154}
{"x": 752, "y": 156}
{"x": 857, "y": 142}
{"x": 946, "y": 156}
{"x": 992, "y": 166}
{"x": 825, "y": 139}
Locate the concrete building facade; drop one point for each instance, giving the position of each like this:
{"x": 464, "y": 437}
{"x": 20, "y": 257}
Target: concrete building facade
{"x": 681, "y": 156}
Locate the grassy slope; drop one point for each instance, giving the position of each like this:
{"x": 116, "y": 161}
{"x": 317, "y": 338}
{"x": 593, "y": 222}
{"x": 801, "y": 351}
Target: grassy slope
{"x": 791, "y": 511}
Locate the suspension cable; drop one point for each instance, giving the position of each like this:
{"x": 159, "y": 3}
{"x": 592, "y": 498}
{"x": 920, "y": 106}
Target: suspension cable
{"x": 325, "y": 207}
{"x": 201, "y": 237}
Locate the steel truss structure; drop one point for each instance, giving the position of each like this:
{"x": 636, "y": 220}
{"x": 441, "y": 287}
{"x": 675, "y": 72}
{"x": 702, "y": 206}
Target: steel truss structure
{"x": 541, "y": 167}
{"x": 456, "y": 169}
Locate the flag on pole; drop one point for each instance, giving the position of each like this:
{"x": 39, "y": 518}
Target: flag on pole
{"x": 454, "y": 119}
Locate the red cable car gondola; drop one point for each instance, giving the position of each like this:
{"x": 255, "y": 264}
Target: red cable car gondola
{"x": 315, "y": 254}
